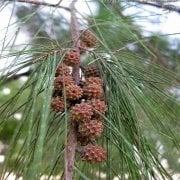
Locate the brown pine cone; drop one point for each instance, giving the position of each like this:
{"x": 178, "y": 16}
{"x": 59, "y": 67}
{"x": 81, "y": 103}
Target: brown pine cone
{"x": 62, "y": 69}
{"x": 91, "y": 71}
{"x": 62, "y": 81}
{"x": 90, "y": 39}
{"x": 99, "y": 106}
{"x": 72, "y": 57}
{"x": 93, "y": 91}
{"x": 93, "y": 154}
{"x": 95, "y": 80}
{"x": 73, "y": 92}
{"x": 83, "y": 47}
{"x": 81, "y": 112}
{"x": 57, "y": 104}
{"x": 91, "y": 129}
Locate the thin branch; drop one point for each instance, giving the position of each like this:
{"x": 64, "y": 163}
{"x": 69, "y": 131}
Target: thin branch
{"x": 159, "y": 57}
{"x": 70, "y": 148}
{"x": 34, "y": 2}
{"x": 168, "y": 7}
{"x": 75, "y": 38}
{"x": 74, "y": 26}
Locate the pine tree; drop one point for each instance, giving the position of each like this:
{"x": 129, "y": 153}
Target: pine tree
{"x": 91, "y": 106}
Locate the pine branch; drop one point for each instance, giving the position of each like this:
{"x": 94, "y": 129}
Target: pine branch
{"x": 158, "y": 56}
{"x": 168, "y": 7}
{"x": 70, "y": 148}
{"x": 34, "y": 2}
{"x": 15, "y": 77}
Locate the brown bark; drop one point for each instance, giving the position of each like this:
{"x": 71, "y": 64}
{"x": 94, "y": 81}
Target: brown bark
{"x": 70, "y": 148}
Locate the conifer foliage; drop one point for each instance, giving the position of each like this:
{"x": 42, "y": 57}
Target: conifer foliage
{"x": 90, "y": 104}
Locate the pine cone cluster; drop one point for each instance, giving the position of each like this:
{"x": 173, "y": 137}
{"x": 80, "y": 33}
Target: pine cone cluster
{"x": 91, "y": 129}
{"x": 84, "y": 100}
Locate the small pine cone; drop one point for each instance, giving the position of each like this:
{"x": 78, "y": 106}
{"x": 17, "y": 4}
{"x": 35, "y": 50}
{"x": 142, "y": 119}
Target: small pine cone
{"x": 99, "y": 105}
{"x": 81, "y": 112}
{"x": 91, "y": 129}
{"x": 93, "y": 91}
{"x": 83, "y": 47}
{"x": 62, "y": 69}
{"x": 89, "y": 38}
{"x": 60, "y": 81}
{"x": 72, "y": 57}
{"x": 91, "y": 71}
{"x": 93, "y": 154}
{"x": 73, "y": 92}
{"x": 57, "y": 104}
{"x": 95, "y": 80}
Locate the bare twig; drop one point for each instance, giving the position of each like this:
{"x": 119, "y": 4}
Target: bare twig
{"x": 168, "y": 7}
{"x": 70, "y": 148}
{"x": 34, "y": 2}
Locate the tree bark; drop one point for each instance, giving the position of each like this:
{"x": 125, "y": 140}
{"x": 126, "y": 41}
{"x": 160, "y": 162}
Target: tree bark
{"x": 70, "y": 148}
